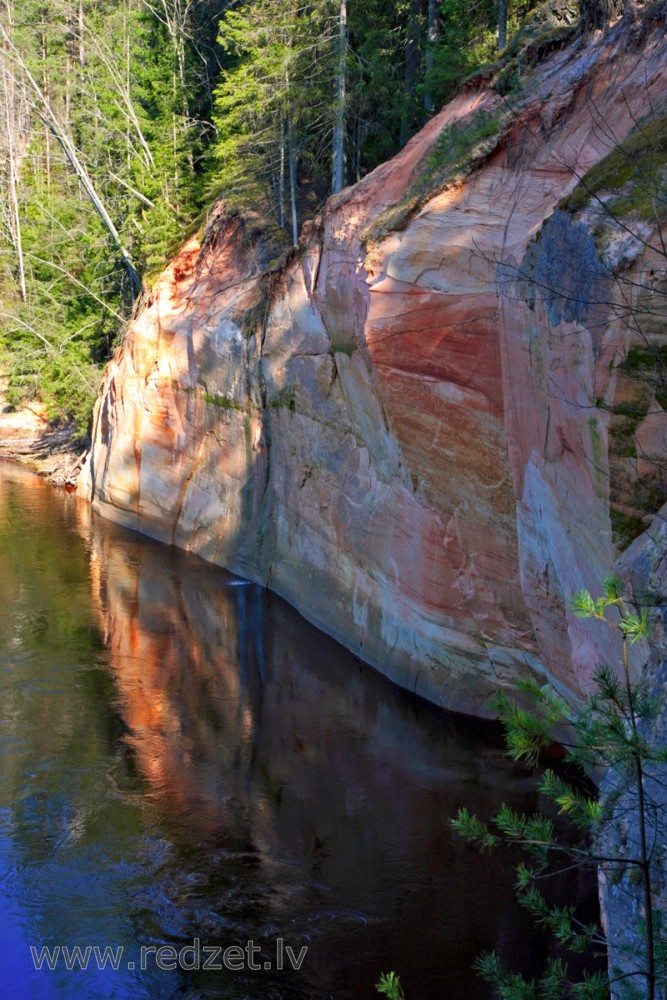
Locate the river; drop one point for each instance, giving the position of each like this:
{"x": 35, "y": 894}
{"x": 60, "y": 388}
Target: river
{"x": 184, "y": 759}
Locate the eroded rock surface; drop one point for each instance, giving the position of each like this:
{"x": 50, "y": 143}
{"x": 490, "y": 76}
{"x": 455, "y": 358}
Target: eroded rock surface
{"x": 405, "y": 437}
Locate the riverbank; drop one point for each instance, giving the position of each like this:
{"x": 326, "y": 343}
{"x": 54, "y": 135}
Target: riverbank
{"x": 28, "y": 438}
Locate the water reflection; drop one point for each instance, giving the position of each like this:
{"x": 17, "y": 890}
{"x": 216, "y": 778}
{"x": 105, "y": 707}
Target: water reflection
{"x": 183, "y": 756}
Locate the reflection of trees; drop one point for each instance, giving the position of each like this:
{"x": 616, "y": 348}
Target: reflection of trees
{"x": 59, "y": 752}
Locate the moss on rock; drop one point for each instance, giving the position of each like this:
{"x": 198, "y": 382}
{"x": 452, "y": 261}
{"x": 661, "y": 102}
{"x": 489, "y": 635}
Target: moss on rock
{"x": 632, "y": 179}
{"x": 637, "y": 482}
{"x": 459, "y": 148}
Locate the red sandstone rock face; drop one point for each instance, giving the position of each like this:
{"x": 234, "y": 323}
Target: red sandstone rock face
{"x": 406, "y": 448}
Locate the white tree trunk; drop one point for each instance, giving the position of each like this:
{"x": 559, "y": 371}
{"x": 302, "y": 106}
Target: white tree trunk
{"x": 291, "y": 155}
{"x": 12, "y": 178}
{"x": 338, "y": 167}
{"x": 281, "y": 175}
{"x": 502, "y": 24}
{"x": 431, "y": 42}
{"x": 58, "y": 130}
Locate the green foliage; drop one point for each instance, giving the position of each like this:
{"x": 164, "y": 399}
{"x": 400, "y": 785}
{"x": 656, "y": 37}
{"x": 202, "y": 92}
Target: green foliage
{"x": 342, "y": 342}
{"x": 609, "y": 732}
{"x": 631, "y": 179}
{"x": 554, "y": 985}
{"x": 283, "y": 399}
{"x": 457, "y": 145}
{"x": 125, "y": 87}
{"x": 458, "y": 148}
{"x": 583, "y": 810}
{"x": 527, "y": 732}
{"x": 636, "y": 483}
{"x": 273, "y": 102}
{"x": 545, "y": 28}
{"x": 633, "y": 626}
{"x": 376, "y": 73}
{"x": 170, "y": 104}
{"x": 474, "y": 831}
{"x": 222, "y": 402}
{"x": 390, "y": 986}
{"x": 469, "y": 40}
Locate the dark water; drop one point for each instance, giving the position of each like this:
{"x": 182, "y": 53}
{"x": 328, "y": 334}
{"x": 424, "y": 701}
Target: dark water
{"x": 184, "y": 757}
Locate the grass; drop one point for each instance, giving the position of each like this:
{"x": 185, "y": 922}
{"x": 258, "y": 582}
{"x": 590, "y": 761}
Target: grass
{"x": 284, "y": 398}
{"x": 223, "y": 402}
{"x": 633, "y": 497}
{"x": 632, "y": 178}
{"x": 459, "y": 148}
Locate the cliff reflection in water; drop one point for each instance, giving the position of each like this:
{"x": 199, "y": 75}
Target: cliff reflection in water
{"x": 183, "y": 756}
{"x": 306, "y": 797}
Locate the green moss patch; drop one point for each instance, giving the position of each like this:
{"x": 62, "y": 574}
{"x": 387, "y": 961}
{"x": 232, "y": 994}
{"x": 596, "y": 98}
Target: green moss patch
{"x": 635, "y": 497}
{"x": 459, "y": 148}
{"x": 529, "y": 49}
{"x": 284, "y": 399}
{"x": 223, "y": 402}
{"x": 632, "y": 179}
{"x": 545, "y": 28}
{"x": 342, "y": 342}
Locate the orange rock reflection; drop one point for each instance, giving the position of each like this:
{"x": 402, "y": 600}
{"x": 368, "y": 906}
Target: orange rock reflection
{"x": 297, "y": 792}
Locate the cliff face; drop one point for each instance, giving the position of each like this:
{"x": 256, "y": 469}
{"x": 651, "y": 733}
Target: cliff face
{"x": 405, "y": 431}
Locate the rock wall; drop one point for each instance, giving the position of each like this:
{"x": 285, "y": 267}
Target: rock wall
{"x": 644, "y": 566}
{"x": 404, "y": 432}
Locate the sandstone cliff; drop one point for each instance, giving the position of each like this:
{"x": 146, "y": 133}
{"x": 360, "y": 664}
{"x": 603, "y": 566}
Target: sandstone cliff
{"x": 406, "y": 429}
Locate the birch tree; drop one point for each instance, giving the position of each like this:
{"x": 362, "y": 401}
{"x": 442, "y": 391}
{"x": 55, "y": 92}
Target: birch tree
{"x": 432, "y": 34}
{"x": 42, "y": 107}
{"x": 338, "y": 142}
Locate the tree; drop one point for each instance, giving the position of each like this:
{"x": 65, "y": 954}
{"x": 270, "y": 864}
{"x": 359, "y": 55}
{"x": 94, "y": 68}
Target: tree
{"x": 12, "y": 142}
{"x": 610, "y": 732}
{"x": 121, "y": 119}
{"x": 100, "y": 172}
{"x": 598, "y": 13}
{"x": 338, "y": 142}
{"x": 502, "y": 23}
{"x": 42, "y": 107}
{"x": 432, "y": 34}
{"x": 413, "y": 49}
{"x": 275, "y": 106}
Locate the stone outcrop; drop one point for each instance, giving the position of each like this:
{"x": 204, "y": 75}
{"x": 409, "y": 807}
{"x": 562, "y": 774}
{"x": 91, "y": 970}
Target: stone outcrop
{"x": 405, "y": 431}
{"x": 644, "y": 566}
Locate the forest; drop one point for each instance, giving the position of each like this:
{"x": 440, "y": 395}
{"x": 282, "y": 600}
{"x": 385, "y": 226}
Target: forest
{"x": 124, "y": 120}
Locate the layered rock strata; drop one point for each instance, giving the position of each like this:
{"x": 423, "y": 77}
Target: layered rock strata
{"x": 405, "y": 431}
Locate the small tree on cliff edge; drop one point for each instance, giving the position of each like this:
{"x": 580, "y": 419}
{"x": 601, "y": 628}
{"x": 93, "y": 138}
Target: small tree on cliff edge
{"x": 607, "y": 736}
